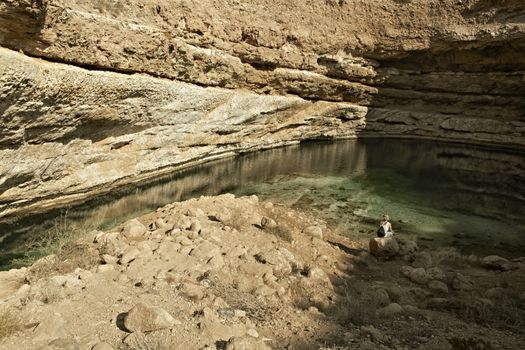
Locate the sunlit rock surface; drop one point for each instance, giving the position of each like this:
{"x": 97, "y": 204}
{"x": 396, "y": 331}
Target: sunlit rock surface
{"x": 128, "y": 90}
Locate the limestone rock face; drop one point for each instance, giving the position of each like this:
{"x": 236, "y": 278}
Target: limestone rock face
{"x": 146, "y": 87}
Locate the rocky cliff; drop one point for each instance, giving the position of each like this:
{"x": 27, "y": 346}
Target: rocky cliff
{"x": 98, "y": 93}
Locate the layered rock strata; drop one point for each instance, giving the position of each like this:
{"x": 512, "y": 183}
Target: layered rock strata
{"x": 78, "y": 132}
{"x": 82, "y": 121}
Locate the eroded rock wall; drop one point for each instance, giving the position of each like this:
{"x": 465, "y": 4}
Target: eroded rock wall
{"x": 127, "y": 89}
{"x": 78, "y": 132}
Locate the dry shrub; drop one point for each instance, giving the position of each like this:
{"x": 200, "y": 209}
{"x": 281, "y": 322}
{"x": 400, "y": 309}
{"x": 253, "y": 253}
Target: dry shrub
{"x": 11, "y": 322}
{"x": 451, "y": 257}
{"x": 64, "y": 242}
{"x": 506, "y": 312}
{"x": 355, "y": 303}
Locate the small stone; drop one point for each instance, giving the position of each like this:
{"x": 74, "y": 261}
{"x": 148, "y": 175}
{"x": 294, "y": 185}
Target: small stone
{"x": 205, "y": 250}
{"x": 109, "y": 259}
{"x": 381, "y": 297}
{"x": 318, "y": 274}
{"x": 129, "y": 255}
{"x": 494, "y": 262}
{"x": 196, "y": 226}
{"x": 278, "y": 261}
{"x": 133, "y": 229}
{"x": 222, "y": 215}
{"x": 192, "y": 291}
{"x": 438, "y": 286}
{"x": 406, "y": 270}
{"x": 267, "y": 222}
{"x": 390, "y": 310}
{"x": 406, "y": 247}
{"x": 314, "y": 231}
{"x": 183, "y": 240}
{"x": 183, "y": 222}
{"x": 252, "y": 333}
{"x": 435, "y": 273}
{"x": 461, "y": 282}
{"x": 264, "y": 291}
{"x": 146, "y": 318}
{"x": 419, "y": 276}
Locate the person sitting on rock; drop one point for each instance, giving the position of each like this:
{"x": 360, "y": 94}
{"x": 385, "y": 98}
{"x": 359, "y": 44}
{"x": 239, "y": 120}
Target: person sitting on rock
{"x": 385, "y": 227}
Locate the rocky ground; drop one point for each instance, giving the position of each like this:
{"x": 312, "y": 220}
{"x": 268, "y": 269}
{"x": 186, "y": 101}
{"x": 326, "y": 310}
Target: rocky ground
{"x": 236, "y": 273}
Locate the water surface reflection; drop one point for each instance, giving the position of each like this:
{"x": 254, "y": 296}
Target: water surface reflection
{"x": 453, "y": 194}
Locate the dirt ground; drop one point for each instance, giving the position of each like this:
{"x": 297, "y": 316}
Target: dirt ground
{"x": 236, "y": 273}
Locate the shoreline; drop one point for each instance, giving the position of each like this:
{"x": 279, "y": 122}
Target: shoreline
{"x": 232, "y": 271}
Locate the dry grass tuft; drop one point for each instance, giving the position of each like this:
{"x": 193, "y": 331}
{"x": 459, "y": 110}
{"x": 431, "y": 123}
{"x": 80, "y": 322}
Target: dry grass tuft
{"x": 10, "y": 322}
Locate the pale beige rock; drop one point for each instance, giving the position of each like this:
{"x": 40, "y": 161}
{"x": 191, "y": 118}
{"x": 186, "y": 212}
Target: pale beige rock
{"x": 438, "y": 286}
{"x": 384, "y": 247}
{"x": 192, "y": 291}
{"x": 314, "y": 231}
{"x": 495, "y": 262}
{"x": 147, "y": 318}
{"x": 133, "y": 229}
{"x": 419, "y": 276}
{"x": 50, "y": 328}
{"x": 389, "y": 310}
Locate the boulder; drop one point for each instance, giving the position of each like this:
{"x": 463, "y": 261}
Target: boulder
{"x": 494, "y": 262}
{"x": 461, "y": 282}
{"x": 129, "y": 255}
{"x": 147, "y": 318}
{"x": 314, "y": 231}
{"x": 389, "y": 310}
{"x": 438, "y": 286}
{"x": 102, "y": 346}
{"x": 267, "y": 222}
{"x": 406, "y": 247}
{"x": 435, "y": 273}
{"x": 133, "y": 229}
{"x": 205, "y": 250}
{"x": 277, "y": 260}
{"x": 419, "y": 276}
{"x": 381, "y": 297}
{"x": 385, "y": 247}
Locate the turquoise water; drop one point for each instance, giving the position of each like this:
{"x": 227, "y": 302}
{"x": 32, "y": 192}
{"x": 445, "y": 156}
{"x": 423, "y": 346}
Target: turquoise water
{"x": 440, "y": 194}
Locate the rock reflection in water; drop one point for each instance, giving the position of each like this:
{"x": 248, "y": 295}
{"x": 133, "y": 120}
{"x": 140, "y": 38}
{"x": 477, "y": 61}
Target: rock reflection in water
{"x": 436, "y": 189}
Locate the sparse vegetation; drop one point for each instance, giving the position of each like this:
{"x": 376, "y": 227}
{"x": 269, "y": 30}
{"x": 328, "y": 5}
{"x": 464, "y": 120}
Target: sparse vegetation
{"x": 63, "y": 241}
{"x": 505, "y": 312}
{"x": 11, "y": 322}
